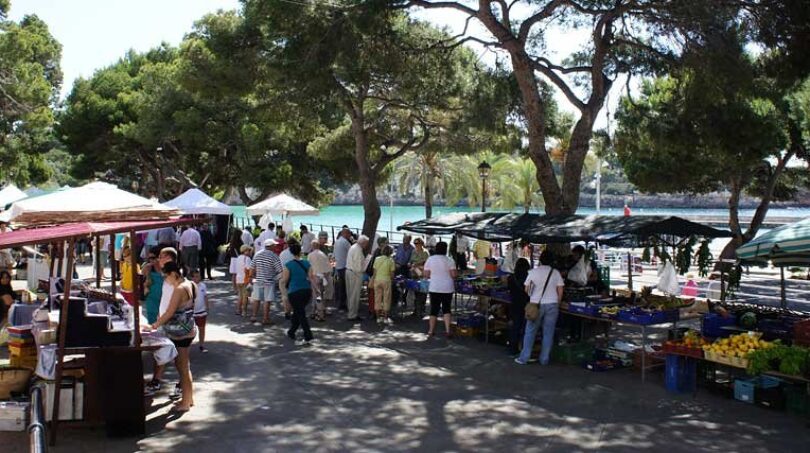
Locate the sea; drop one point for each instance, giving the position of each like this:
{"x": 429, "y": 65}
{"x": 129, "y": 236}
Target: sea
{"x": 392, "y": 217}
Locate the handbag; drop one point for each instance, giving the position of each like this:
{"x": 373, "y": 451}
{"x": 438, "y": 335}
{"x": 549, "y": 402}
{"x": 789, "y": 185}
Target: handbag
{"x": 181, "y": 324}
{"x": 532, "y": 311}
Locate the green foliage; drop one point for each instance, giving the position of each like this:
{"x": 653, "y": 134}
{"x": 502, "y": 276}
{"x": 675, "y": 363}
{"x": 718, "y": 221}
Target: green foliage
{"x": 197, "y": 115}
{"x": 790, "y": 360}
{"x": 30, "y": 77}
{"x": 704, "y": 258}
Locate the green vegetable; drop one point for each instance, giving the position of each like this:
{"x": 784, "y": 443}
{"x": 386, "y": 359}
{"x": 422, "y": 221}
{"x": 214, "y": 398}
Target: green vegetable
{"x": 704, "y": 258}
{"x": 792, "y": 360}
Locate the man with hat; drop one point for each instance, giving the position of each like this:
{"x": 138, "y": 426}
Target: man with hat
{"x": 266, "y": 268}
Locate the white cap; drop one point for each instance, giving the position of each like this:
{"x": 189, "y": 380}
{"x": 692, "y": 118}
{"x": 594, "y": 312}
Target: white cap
{"x": 269, "y": 242}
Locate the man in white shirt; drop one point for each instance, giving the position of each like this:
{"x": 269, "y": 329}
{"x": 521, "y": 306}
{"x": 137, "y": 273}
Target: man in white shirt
{"x": 323, "y": 274}
{"x": 269, "y": 233}
{"x": 286, "y": 255}
{"x": 247, "y": 237}
{"x": 342, "y": 246}
{"x": 306, "y": 240}
{"x": 190, "y": 246}
{"x": 545, "y": 286}
{"x": 355, "y": 267}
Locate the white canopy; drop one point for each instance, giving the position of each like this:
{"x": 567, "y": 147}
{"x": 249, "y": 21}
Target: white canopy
{"x": 282, "y": 204}
{"x": 195, "y": 201}
{"x": 97, "y": 201}
{"x": 10, "y": 194}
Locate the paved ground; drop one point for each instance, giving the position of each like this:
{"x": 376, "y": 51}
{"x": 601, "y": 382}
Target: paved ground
{"x": 362, "y": 389}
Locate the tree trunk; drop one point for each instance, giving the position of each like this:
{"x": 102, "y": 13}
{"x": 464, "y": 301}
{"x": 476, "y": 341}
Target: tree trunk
{"x": 428, "y": 198}
{"x": 575, "y": 160}
{"x": 367, "y": 177}
{"x": 535, "y": 114}
{"x": 740, "y": 238}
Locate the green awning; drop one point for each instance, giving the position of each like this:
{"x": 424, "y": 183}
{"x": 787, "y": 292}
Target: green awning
{"x": 788, "y": 245}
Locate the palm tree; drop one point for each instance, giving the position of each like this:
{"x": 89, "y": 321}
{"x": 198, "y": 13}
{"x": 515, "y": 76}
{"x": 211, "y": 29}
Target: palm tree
{"x": 517, "y": 184}
{"x": 421, "y": 169}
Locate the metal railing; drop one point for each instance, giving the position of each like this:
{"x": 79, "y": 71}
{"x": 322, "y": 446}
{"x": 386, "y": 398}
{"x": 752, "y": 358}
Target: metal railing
{"x": 36, "y": 428}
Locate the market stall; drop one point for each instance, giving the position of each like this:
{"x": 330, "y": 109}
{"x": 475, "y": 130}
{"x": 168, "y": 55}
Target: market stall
{"x": 92, "y": 323}
{"x": 640, "y": 310}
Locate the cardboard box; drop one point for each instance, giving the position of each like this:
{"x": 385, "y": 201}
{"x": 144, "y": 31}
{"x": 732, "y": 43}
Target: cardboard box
{"x": 13, "y": 416}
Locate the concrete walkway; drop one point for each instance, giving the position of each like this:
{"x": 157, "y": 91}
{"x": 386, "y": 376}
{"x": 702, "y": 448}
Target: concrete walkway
{"x": 363, "y": 389}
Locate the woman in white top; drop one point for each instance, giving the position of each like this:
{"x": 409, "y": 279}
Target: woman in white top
{"x": 440, "y": 269}
{"x": 545, "y": 287}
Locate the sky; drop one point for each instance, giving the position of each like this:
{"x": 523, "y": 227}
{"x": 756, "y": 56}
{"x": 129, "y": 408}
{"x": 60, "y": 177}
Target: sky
{"x": 96, "y": 33}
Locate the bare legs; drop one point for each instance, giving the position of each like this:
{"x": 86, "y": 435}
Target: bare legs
{"x": 184, "y": 370}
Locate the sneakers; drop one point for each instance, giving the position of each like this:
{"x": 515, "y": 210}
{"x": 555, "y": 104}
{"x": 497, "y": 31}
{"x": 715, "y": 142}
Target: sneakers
{"x": 301, "y": 343}
{"x": 151, "y": 388}
{"x": 203, "y": 349}
{"x": 389, "y": 322}
{"x": 177, "y": 393}
{"x": 519, "y": 362}
{"x": 380, "y": 321}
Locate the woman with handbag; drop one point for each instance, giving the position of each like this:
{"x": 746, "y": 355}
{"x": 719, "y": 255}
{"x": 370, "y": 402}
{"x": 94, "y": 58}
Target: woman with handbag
{"x": 517, "y": 309}
{"x": 545, "y": 288}
{"x": 298, "y": 277}
{"x": 178, "y": 324}
{"x": 440, "y": 269}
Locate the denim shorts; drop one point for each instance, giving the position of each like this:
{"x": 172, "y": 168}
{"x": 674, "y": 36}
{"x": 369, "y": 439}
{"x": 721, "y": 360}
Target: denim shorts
{"x": 264, "y": 292}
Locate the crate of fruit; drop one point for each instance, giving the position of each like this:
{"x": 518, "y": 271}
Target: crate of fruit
{"x": 738, "y": 362}
{"x": 678, "y": 348}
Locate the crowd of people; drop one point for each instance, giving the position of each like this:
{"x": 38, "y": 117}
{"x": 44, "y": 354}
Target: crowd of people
{"x": 305, "y": 278}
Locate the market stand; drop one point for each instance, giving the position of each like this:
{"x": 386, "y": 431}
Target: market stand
{"x": 549, "y": 229}
{"x": 117, "y": 370}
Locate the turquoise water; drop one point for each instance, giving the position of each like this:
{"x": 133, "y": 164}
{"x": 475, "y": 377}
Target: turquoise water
{"x": 393, "y": 217}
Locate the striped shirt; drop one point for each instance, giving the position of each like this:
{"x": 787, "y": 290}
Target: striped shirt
{"x": 267, "y": 266}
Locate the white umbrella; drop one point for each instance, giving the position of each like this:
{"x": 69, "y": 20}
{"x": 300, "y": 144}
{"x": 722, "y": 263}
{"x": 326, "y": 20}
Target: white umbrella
{"x": 283, "y": 205}
{"x": 10, "y": 194}
{"x": 97, "y": 201}
{"x": 195, "y": 201}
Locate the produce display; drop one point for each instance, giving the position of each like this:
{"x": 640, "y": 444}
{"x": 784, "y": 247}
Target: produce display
{"x": 691, "y": 344}
{"x": 791, "y": 360}
{"x": 735, "y": 349}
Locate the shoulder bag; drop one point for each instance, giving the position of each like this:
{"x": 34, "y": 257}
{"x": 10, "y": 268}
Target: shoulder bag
{"x": 533, "y": 310}
{"x": 181, "y": 324}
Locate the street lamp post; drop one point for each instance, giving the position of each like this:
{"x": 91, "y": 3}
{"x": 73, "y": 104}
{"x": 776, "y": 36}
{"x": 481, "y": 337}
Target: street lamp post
{"x": 483, "y": 171}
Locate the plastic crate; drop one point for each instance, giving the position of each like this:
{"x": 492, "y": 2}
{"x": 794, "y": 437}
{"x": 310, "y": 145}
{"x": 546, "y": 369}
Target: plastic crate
{"x": 643, "y": 318}
{"x": 801, "y": 333}
{"x": 775, "y": 329}
{"x": 797, "y": 401}
{"x": 746, "y": 390}
{"x": 712, "y": 325}
{"x": 572, "y": 354}
{"x": 681, "y": 374}
{"x": 587, "y": 310}
{"x": 476, "y": 320}
{"x": 772, "y": 398}
{"x": 605, "y": 364}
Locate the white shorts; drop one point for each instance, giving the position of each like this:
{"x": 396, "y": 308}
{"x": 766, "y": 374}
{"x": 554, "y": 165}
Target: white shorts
{"x": 263, "y": 292}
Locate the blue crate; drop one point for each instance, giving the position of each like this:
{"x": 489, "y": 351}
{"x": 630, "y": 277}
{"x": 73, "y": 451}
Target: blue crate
{"x": 681, "y": 374}
{"x": 476, "y": 320}
{"x": 588, "y": 310}
{"x": 712, "y": 325}
{"x": 745, "y": 389}
{"x": 640, "y": 317}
